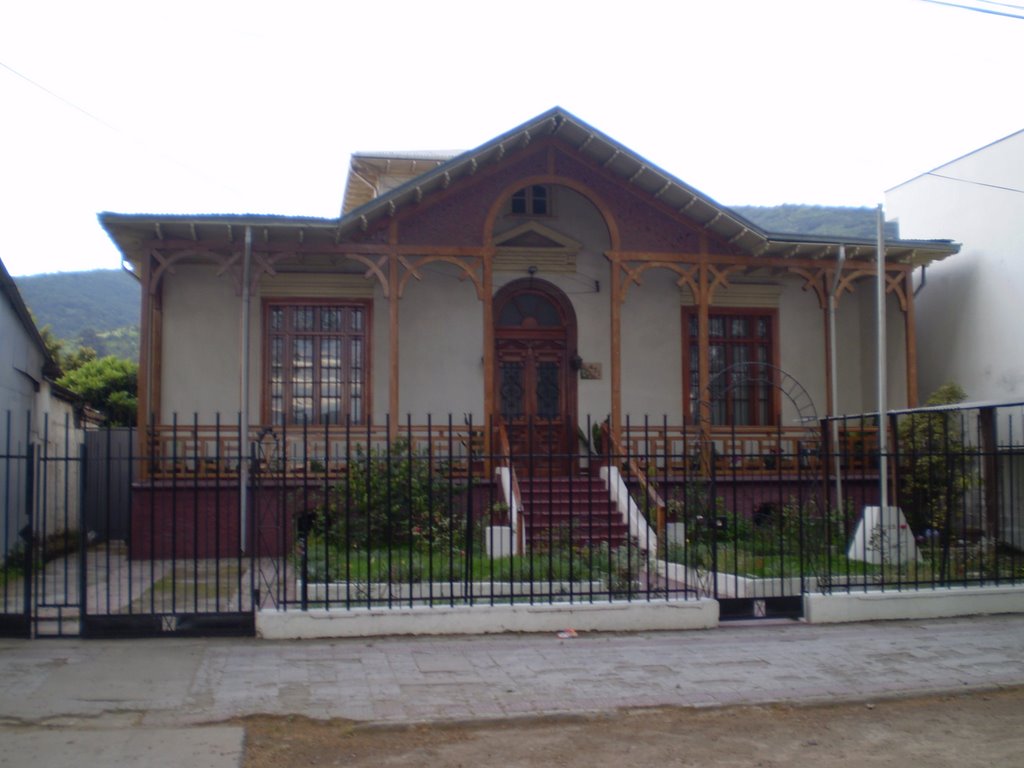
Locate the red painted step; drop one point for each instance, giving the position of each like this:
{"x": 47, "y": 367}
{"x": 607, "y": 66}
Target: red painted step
{"x": 557, "y": 510}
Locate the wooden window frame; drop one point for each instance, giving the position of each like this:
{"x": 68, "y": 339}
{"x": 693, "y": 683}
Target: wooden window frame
{"x": 527, "y": 195}
{"x": 752, "y": 313}
{"x": 366, "y": 305}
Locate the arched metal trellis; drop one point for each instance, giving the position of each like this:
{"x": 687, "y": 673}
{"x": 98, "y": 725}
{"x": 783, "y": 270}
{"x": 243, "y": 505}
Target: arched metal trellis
{"x": 763, "y": 492}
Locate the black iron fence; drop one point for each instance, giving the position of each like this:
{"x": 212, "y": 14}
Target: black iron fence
{"x": 191, "y": 528}
{"x": 954, "y": 498}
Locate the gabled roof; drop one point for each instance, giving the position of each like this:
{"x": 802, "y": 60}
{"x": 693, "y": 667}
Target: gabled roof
{"x": 592, "y": 144}
{"x": 642, "y": 174}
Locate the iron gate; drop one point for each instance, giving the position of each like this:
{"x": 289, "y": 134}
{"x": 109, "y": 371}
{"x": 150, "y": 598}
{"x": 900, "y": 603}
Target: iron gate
{"x": 96, "y": 546}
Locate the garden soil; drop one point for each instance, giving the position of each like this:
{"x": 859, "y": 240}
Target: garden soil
{"x": 974, "y": 729}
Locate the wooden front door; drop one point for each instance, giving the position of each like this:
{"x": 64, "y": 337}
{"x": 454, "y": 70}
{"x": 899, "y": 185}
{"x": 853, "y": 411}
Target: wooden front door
{"x": 535, "y": 339}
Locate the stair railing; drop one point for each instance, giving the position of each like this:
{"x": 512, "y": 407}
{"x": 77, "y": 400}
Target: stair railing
{"x": 636, "y": 472}
{"x": 506, "y": 472}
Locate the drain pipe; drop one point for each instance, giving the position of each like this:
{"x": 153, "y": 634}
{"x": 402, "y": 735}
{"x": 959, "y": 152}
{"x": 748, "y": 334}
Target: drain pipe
{"x": 834, "y": 366}
{"x": 243, "y": 443}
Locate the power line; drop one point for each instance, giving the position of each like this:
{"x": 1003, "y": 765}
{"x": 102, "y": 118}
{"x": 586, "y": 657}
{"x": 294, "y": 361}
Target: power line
{"x": 159, "y": 152}
{"x": 58, "y": 97}
{"x": 978, "y": 183}
{"x": 1004, "y": 5}
{"x": 991, "y": 11}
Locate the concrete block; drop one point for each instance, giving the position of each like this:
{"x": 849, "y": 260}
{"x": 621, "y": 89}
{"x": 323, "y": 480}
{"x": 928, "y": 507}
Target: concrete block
{"x": 930, "y": 604}
{"x": 618, "y": 616}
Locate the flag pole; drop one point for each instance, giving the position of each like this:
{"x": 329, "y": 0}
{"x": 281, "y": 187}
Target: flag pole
{"x": 883, "y": 407}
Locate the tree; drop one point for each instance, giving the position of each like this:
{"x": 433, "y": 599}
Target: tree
{"x": 934, "y": 471}
{"x": 108, "y": 384}
{"x": 67, "y": 358}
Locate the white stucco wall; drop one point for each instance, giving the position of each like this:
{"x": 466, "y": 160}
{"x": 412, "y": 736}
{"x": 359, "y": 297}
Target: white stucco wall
{"x": 802, "y": 346}
{"x": 201, "y": 346}
{"x": 440, "y": 348}
{"x": 652, "y": 348}
{"x": 865, "y": 393}
{"x": 968, "y": 310}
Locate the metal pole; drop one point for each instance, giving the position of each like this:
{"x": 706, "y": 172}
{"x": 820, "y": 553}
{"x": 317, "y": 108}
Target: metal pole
{"x": 883, "y": 407}
{"x": 243, "y": 448}
{"x": 834, "y": 366}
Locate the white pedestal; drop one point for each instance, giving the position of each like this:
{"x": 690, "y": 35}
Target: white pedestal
{"x": 883, "y": 539}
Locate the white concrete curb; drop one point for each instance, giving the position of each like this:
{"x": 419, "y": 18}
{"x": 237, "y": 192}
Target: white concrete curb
{"x": 478, "y": 620}
{"x": 926, "y": 604}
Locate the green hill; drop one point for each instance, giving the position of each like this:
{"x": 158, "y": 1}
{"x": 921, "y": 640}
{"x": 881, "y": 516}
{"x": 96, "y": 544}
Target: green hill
{"x": 821, "y": 220}
{"x": 99, "y": 308}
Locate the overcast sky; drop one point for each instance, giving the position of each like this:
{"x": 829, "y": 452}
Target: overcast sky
{"x": 251, "y": 107}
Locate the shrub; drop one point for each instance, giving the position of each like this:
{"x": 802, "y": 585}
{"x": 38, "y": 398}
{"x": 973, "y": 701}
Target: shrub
{"x": 393, "y": 497}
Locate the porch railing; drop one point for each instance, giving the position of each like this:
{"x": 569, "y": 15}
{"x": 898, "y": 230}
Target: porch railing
{"x": 213, "y": 450}
{"x": 191, "y": 449}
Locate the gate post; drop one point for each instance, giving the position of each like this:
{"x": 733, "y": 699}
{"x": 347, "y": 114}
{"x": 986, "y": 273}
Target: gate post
{"x": 712, "y": 519}
{"x": 83, "y": 540}
{"x": 27, "y": 533}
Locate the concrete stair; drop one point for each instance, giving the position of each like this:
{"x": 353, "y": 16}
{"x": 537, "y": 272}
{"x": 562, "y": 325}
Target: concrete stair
{"x": 559, "y": 510}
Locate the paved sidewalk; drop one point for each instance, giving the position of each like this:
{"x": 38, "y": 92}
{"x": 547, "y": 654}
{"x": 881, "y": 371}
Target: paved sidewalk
{"x": 163, "y": 684}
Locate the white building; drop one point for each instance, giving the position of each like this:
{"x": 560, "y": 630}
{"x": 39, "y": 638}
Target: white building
{"x": 969, "y": 306}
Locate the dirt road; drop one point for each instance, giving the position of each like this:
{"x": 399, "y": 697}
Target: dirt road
{"x": 961, "y": 731}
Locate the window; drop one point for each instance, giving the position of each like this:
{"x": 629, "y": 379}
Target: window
{"x": 317, "y": 362}
{"x": 743, "y": 396}
{"x": 534, "y": 200}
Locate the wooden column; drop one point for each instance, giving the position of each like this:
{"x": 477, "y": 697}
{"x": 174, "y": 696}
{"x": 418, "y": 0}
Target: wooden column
{"x": 911, "y": 341}
{"x": 703, "y": 342}
{"x": 616, "y": 348}
{"x": 145, "y": 356}
{"x": 488, "y": 320}
{"x": 157, "y": 345}
{"x": 393, "y": 405}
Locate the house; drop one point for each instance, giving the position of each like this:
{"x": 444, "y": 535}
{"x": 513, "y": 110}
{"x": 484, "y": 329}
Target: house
{"x": 549, "y": 279}
{"x": 969, "y": 306}
{"x": 37, "y": 418}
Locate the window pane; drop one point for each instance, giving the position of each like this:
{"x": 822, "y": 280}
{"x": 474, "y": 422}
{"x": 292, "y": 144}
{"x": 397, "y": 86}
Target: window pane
{"x": 356, "y": 358}
{"x": 540, "y": 200}
{"x": 547, "y": 390}
{"x": 302, "y": 319}
{"x": 511, "y": 390}
{"x": 510, "y": 316}
{"x": 276, "y": 319}
{"x": 330, "y": 319}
